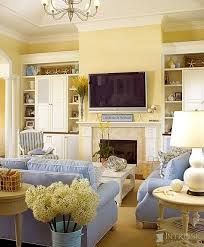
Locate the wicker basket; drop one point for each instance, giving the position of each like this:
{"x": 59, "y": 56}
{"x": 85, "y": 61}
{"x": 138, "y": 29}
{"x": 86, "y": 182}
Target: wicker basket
{"x": 10, "y": 180}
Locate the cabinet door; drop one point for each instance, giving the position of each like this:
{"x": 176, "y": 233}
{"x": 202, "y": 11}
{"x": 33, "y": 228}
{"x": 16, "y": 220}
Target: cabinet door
{"x": 43, "y": 104}
{"x": 71, "y": 147}
{"x": 59, "y": 117}
{"x": 193, "y": 82}
{"x": 57, "y": 140}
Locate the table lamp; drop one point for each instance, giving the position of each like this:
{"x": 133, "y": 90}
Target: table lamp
{"x": 188, "y": 132}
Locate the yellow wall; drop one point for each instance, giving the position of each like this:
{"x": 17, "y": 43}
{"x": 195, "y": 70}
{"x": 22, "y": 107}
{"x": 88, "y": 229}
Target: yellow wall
{"x": 2, "y": 103}
{"x": 123, "y": 50}
{"x": 53, "y": 47}
{"x": 182, "y": 36}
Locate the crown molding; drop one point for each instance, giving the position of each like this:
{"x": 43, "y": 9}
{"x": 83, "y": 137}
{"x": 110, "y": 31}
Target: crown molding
{"x": 122, "y": 22}
{"x": 53, "y": 38}
{"x": 12, "y": 34}
{"x": 188, "y": 26}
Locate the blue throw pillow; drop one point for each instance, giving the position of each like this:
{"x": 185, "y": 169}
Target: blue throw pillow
{"x": 15, "y": 163}
{"x": 177, "y": 166}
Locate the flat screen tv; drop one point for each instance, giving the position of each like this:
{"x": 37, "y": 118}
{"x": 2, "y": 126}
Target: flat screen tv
{"x": 118, "y": 92}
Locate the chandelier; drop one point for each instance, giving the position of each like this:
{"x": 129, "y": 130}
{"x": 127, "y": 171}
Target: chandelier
{"x": 59, "y": 8}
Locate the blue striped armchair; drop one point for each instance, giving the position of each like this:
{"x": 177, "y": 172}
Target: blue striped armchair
{"x": 30, "y": 140}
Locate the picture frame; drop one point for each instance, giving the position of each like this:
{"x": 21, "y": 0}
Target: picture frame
{"x": 75, "y": 98}
{"x": 178, "y": 96}
{"x": 30, "y": 124}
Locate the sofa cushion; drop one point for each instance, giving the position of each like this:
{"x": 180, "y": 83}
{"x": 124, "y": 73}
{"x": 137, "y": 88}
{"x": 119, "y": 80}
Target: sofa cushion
{"x": 164, "y": 158}
{"x": 14, "y": 163}
{"x": 177, "y": 166}
{"x": 85, "y": 168}
{"x": 46, "y": 178}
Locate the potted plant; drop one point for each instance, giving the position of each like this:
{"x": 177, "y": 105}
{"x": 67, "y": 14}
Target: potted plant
{"x": 105, "y": 150}
{"x": 75, "y": 205}
{"x": 81, "y": 84}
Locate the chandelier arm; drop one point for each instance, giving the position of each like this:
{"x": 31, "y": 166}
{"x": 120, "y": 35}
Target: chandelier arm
{"x": 76, "y": 10}
{"x": 81, "y": 17}
{"x": 56, "y": 17}
{"x": 55, "y": 13}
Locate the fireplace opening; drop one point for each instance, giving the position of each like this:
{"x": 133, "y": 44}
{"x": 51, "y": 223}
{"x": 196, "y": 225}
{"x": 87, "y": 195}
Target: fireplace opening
{"x": 126, "y": 149}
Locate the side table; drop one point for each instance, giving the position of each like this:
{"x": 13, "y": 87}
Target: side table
{"x": 13, "y": 203}
{"x": 187, "y": 230}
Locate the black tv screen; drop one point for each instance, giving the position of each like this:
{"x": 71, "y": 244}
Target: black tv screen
{"x": 118, "y": 91}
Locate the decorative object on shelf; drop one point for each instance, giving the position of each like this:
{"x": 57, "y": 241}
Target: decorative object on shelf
{"x": 105, "y": 150}
{"x": 171, "y": 97}
{"x": 75, "y": 114}
{"x": 171, "y": 63}
{"x": 117, "y": 117}
{"x": 116, "y": 164}
{"x": 32, "y": 70}
{"x": 178, "y": 96}
{"x": 187, "y": 131}
{"x": 194, "y": 60}
{"x": 29, "y": 111}
{"x": 178, "y": 65}
{"x": 176, "y": 185}
{"x": 166, "y": 78}
{"x": 75, "y": 129}
{"x": 32, "y": 85}
{"x": 71, "y": 8}
{"x": 56, "y": 69}
{"x": 31, "y": 101}
{"x": 75, "y": 204}
{"x": 81, "y": 84}
{"x": 30, "y": 124}
{"x": 26, "y": 97}
{"x": 152, "y": 109}
{"x": 75, "y": 98}
{"x": 10, "y": 180}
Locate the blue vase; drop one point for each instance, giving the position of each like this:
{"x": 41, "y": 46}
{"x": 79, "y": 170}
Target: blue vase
{"x": 67, "y": 239}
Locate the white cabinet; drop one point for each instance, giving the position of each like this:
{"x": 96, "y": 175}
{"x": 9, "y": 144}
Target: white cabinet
{"x": 66, "y": 145}
{"x": 51, "y": 103}
{"x": 193, "y": 81}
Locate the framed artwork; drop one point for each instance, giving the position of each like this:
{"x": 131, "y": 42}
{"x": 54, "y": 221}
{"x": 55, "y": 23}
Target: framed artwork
{"x": 178, "y": 96}
{"x": 30, "y": 124}
{"x": 76, "y": 98}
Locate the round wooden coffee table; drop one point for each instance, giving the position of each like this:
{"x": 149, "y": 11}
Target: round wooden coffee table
{"x": 13, "y": 203}
{"x": 180, "y": 225}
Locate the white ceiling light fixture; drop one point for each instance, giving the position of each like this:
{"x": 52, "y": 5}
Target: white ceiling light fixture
{"x": 59, "y": 8}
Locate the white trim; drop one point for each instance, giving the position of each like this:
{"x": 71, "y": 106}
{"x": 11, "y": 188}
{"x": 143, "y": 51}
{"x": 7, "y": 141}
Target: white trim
{"x": 183, "y": 47}
{"x": 50, "y": 57}
{"x": 188, "y": 26}
{"x": 12, "y": 34}
{"x": 112, "y": 23}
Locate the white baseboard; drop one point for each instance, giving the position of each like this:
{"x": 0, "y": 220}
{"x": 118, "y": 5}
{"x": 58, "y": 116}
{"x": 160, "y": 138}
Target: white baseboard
{"x": 2, "y": 141}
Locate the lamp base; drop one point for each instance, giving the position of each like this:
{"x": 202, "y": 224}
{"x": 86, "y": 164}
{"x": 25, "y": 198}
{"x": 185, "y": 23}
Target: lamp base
{"x": 194, "y": 193}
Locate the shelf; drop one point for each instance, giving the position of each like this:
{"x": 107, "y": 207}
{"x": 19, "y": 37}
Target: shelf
{"x": 72, "y": 89}
{"x": 29, "y": 77}
{"x": 74, "y": 118}
{"x": 173, "y": 102}
{"x": 73, "y": 103}
{"x": 29, "y": 90}
{"x": 29, "y": 117}
{"x": 173, "y": 85}
{"x": 168, "y": 117}
{"x": 173, "y": 69}
{"x": 27, "y": 104}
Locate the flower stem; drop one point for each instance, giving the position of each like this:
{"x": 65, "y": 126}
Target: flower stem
{"x": 68, "y": 222}
{"x": 50, "y": 224}
{"x": 74, "y": 228}
{"x": 55, "y": 225}
{"x": 64, "y": 222}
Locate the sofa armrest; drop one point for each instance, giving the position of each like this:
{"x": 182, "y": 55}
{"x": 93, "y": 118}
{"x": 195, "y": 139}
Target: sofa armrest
{"x": 107, "y": 191}
{"x": 154, "y": 183}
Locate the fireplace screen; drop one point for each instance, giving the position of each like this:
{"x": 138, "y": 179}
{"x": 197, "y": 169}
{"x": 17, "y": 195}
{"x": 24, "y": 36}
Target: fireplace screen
{"x": 126, "y": 149}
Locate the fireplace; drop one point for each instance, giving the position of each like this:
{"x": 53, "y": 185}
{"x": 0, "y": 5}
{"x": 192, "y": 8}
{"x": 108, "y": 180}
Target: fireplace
{"x": 126, "y": 149}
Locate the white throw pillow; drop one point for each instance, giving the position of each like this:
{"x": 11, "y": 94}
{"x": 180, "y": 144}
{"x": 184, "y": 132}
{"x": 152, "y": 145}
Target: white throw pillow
{"x": 99, "y": 169}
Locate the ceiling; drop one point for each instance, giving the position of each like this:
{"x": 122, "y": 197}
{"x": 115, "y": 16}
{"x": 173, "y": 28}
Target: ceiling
{"x": 27, "y": 20}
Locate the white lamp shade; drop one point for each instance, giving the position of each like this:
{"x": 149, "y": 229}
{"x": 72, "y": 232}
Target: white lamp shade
{"x": 188, "y": 129}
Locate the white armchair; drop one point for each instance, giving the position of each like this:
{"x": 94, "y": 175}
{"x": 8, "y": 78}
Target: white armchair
{"x": 31, "y": 141}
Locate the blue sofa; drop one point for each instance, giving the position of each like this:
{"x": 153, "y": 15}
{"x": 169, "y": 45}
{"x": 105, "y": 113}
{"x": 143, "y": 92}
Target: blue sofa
{"x": 147, "y": 210}
{"x": 39, "y": 233}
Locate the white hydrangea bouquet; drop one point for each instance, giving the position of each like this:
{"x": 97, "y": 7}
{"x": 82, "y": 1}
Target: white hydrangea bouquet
{"x": 77, "y": 203}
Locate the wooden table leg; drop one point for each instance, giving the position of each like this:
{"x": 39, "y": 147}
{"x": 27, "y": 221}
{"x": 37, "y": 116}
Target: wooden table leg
{"x": 185, "y": 222}
{"x": 18, "y": 227}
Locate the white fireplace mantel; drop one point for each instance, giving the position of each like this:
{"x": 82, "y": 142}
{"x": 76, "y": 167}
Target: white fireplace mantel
{"x": 122, "y": 124}
{"x": 149, "y": 141}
